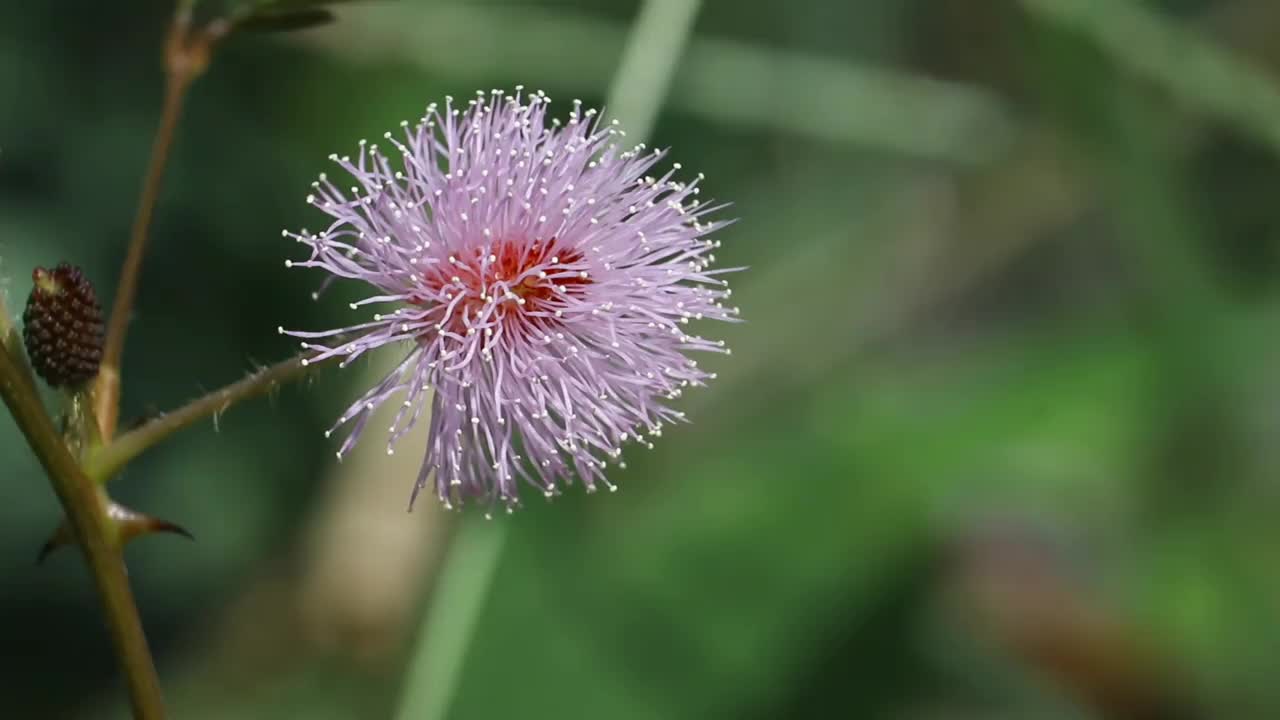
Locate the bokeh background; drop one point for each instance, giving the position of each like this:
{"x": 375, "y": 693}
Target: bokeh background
{"x": 1000, "y": 437}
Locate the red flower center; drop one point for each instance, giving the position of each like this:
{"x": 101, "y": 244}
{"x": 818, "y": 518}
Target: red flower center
{"x": 537, "y": 275}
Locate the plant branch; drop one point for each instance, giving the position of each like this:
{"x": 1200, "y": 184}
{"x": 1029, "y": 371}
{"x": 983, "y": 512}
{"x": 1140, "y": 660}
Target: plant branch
{"x": 13, "y": 344}
{"x": 186, "y": 56}
{"x": 106, "y": 461}
{"x": 86, "y": 505}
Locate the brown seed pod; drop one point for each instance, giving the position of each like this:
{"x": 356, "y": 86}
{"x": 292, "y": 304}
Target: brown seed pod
{"x": 62, "y": 326}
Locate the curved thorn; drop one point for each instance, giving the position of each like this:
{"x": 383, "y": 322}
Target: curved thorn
{"x": 132, "y": 524}
{"x": 61, "y": 536}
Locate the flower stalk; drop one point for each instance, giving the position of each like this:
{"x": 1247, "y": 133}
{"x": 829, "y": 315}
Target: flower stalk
{"x": 104, "y": 462}
{"x": 187, "y": 54}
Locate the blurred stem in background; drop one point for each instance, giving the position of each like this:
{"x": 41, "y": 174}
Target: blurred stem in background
{"x": 448, "y": 624}
{"x": 658, "y": 38}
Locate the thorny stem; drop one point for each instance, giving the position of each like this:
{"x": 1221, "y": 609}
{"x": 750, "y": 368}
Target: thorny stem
{"x": 86, "y": 505}
{"x": 186, "y": 56}
{"x": 12, "y": 341}
{"x": 105, "y": 462}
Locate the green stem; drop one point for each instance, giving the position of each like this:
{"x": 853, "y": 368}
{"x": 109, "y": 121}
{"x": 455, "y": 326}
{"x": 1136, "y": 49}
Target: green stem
{"x": 186, "y": 57}
{"x": 104, "y": 462}
{"x": 85, "y": 505}
{"x": 108, "y": 385}
{"x": 13, "y": 345}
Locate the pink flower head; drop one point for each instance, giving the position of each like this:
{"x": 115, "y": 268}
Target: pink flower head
{"x": 540, "y": 280}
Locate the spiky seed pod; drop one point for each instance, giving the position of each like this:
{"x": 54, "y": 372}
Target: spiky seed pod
{"x": 62, "y": 326}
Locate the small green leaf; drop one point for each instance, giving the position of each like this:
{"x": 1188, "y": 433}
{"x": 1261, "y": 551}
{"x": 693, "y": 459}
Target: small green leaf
{"x": 285, "y": 21}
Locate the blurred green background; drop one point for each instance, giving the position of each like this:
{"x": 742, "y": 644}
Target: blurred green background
{"x": 1000, "y": 437}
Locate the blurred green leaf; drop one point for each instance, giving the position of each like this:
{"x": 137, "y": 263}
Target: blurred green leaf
{"x": 1192, "y": 68}
{"x": 720, "y": 79}
{"x": 304, "y": 4}
{"x": 286, "y": 21}
{"x": 255, "y": 8}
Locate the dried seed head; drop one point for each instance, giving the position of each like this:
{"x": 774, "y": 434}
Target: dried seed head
{"x": 62, "y": 326}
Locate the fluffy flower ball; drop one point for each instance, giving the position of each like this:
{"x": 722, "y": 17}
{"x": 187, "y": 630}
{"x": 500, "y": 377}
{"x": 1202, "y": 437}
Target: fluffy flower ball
{"x": 541, "y": 281}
